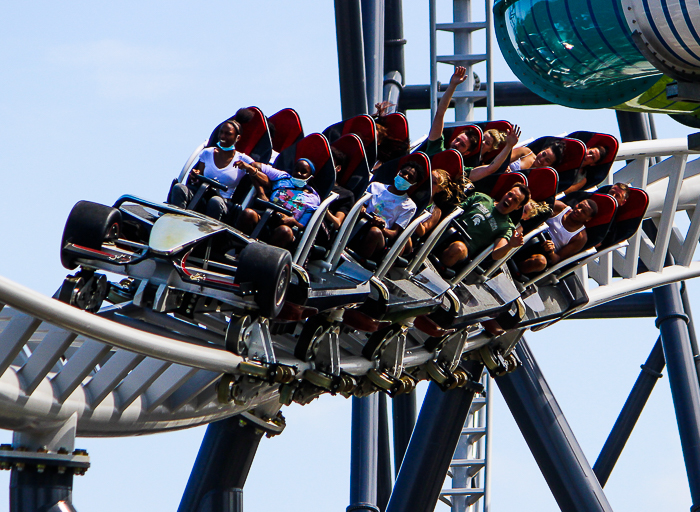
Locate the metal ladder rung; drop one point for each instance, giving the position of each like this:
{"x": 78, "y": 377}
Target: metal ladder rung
{"x": 473, "y": 434}
{"x": 473, "y": 431}
{"x": 479, "y": 492}
{"x": 468, "y": 59}
{"x": 468, "y": 26}
{"x": 467, "y": 463}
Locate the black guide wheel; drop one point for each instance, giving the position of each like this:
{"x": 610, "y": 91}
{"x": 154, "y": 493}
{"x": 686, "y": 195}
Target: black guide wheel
{"x": 89, "y": 225}
{"x": 269, "y": 269}
{"x": 377, "y": 340}
{"x": 313, "y": 328}
{"x": 85, "y": 290}
{"x": 236, "y": 335}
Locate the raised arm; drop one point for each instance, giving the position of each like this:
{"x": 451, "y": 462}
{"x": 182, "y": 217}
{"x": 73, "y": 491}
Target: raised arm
{"x": 482, "y": 171}
{"x": 459, "y": 76}
{"x": 520, "y": 152}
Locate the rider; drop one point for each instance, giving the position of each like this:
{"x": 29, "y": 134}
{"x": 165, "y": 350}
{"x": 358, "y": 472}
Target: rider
{"x": 219, "y": 163}
{"x": 289, "y": 190}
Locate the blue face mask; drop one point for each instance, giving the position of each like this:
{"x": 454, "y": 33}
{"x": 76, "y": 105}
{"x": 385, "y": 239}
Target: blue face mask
{"x": 224, "y": 148}
{"x": 298, "y": 182}
{"x": 402, "y": 184}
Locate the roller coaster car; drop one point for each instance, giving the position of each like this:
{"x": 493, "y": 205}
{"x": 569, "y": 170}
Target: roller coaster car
{"x": 558, "y": 291}
{"x": 479, "y": 291}
{"x": 398, "y": 294}
{"x": 178, "y": 256}
{"x": 321, "y": 286}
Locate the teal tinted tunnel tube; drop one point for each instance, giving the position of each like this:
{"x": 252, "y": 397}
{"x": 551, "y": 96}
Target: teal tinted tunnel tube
{"x": 577, "y": 53}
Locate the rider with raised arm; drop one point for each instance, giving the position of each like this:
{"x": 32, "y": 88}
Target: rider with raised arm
{"x": 464, "y": 142}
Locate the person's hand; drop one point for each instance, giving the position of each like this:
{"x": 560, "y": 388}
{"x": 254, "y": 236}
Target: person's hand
{"x": 513, "y": 135}
{"x": 246, "y": 167}
{"x": 382, "y": 107}
{"x": 459, "y": 76}
{"x": 548, "y": 246}
{"x": 377, "y": 221}
{"x": 516, "y": 240}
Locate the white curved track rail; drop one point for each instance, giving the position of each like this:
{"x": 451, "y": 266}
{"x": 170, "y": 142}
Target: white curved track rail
{"x": 125, "y": 372}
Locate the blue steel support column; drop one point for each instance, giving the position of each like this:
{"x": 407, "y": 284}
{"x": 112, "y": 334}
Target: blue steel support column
{"x": 354, "y": 85}
{"x": 551, "y": 441}
{"x": 384, "y": 479}
{"x": 432, "y": 445}
{"x": 351, "y": 58}
{"x": 673, "y": 324}
{"x": 364, "y": 454}
{"x": 31, "y": 491}
{"x": 403, "y": 409}
{"x": 393, "y": 38}
{"x": 373, "y": 38}
{"x": 637, "y": 399}
{"x": 221, "y": 467}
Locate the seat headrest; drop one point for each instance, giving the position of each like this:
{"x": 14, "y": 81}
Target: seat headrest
{"x": 353, "y": 148}
{"x": 288, "y": 129}
{"x": 450, "y": 160}
{"x": 543, "y": 182}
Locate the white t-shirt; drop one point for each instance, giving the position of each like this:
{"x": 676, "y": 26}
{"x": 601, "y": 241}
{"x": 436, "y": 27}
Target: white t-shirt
{"x": 560, "y": 235}
{"x": 229, "y": 175}
{"x": 391, "y": 208}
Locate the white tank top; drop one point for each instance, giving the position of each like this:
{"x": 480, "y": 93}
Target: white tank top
{"x": 560, "y": 235}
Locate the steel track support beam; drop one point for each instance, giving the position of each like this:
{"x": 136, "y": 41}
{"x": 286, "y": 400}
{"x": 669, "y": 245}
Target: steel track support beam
{"x": 351, "y": 58}
{"x": 373, "y": 39}
{"x": 221, "y": 467}
{"x": 673, "y": 324}
{"x": 384, "y": 476}
{"x": 393, "y": 38}
{"x": 551, "y": 441}
{"x": 639, "y": 305}
{"x": 637, "y": 399}
{"x": 33, "y": 487}
{"x": 403, "y": 409}
{"x": 364, "y": 455}
{"x": 430, "y": 451}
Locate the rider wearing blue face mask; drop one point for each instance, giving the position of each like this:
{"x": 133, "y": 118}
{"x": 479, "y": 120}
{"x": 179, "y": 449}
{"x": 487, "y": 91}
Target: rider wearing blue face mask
{"x": 289, "y": 190}
{"x": 219, "y": 163}
{"x": 390, "y": 209}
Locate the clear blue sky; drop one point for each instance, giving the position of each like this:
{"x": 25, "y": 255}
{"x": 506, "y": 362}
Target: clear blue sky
{"x": 100, "y": 99}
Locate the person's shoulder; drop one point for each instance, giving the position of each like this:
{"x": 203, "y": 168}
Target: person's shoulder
{"x": 207, "y": 152}
{"x": 376, "y": 187}
{"x": 242, "y": 156}
{"x": 480, "y": 196}
{"x": 559, "y": 207}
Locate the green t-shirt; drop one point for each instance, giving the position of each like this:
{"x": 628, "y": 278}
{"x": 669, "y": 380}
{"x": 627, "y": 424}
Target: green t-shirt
{"x": 483, "y": 222}
{"x": 433, "y": 147}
